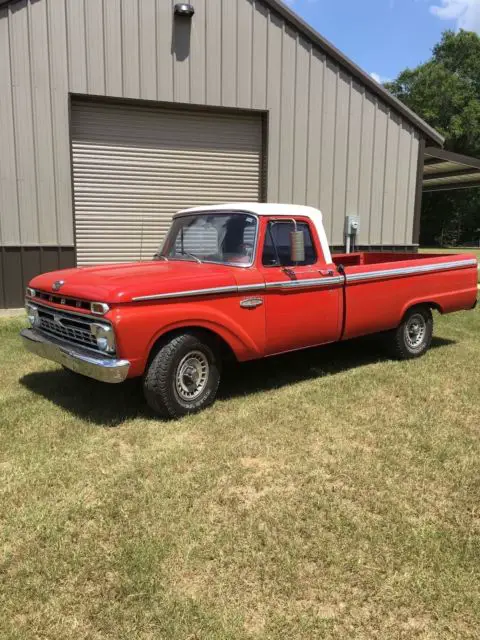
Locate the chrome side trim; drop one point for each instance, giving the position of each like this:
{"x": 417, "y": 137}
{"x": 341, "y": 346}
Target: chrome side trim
{"x": 312, "y": 282}
{"x": 251, "y": 287}
{"x": 404, "y": 271}
{"x": 184, "y": 294}
{"x": 97, "y": 367}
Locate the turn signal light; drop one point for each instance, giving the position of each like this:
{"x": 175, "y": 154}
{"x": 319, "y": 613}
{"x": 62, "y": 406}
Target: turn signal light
{"x": 99, "y": 308}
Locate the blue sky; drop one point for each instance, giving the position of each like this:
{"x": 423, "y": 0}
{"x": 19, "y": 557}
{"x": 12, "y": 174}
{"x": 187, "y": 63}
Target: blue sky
{"x": 385, "y": 36}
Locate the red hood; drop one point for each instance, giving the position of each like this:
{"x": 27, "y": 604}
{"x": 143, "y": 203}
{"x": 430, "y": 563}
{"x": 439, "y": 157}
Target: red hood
{"x": 122, "y": 282}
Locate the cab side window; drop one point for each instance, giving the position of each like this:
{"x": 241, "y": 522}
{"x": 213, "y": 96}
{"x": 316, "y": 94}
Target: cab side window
{"x": 276, "y": 249}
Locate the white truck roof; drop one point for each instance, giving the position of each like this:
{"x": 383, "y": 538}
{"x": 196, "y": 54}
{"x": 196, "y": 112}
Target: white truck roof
{"x": 262, "y": 209}
{"x": 273, "y": 209}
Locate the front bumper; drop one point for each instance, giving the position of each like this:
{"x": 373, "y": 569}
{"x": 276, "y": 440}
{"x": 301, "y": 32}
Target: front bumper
{"x": 75, "y": 358}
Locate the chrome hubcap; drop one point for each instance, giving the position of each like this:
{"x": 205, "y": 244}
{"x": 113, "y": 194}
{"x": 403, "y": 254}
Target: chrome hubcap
{"x": 192, "y": 375}
{"x": 415, "y": 331}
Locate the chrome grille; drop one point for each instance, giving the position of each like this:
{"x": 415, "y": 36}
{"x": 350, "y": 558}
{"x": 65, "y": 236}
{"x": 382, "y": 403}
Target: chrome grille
{"x": 63, "y": 300}
{"x": 67, "y": 326}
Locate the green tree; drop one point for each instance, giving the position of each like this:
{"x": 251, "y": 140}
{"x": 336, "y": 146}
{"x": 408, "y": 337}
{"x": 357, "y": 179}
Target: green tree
{"x": 445, "y": 91}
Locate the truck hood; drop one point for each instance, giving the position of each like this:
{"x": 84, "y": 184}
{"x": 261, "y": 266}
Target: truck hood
{"x": 117, "y": 283}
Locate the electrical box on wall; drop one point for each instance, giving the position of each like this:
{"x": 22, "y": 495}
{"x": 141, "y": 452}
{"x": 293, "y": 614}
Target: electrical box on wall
{"x": 352, "y": 225}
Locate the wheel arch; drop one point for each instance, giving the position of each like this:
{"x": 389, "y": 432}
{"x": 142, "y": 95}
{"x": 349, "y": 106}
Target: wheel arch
{"x": 433, "y": 306}
{"x": 213, "y": 338}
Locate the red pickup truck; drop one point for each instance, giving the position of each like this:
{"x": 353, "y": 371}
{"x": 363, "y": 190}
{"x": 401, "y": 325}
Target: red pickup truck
{"x": 238, "y": 280}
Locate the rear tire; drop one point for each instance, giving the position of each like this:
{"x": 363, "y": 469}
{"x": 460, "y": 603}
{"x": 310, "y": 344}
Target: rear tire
{"x": 183, "y": 377}
{"x": 413, "y": 336}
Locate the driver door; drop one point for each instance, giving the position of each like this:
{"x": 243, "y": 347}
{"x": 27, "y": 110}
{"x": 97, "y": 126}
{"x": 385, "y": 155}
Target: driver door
{"x": 303, "y": 299}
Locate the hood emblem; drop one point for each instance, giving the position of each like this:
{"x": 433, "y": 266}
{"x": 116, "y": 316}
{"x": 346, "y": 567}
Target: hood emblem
{"x": 57, "y": 284}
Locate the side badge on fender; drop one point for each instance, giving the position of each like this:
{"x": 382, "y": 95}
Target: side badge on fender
{"x": 251, "y": 303}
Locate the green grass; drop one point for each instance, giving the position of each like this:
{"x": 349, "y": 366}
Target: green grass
{"x": 475, "y": 251}
{"x": 327, "y": 494}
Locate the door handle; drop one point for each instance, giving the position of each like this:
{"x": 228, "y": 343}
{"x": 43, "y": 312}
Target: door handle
{"x": 326, "y": 272}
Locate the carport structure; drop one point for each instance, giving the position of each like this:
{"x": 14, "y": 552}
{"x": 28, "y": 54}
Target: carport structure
{"x": 444, "y": 170}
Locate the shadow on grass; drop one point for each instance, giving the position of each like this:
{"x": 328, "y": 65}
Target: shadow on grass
{"x": 110, "y": 405}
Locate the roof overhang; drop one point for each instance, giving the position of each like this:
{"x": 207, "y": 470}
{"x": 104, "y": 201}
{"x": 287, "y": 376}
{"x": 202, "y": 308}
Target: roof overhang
{"x": 445, "y": 170}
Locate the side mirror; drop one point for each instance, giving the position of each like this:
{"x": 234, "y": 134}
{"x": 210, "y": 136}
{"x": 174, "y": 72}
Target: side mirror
{"x": 297, "y": 246}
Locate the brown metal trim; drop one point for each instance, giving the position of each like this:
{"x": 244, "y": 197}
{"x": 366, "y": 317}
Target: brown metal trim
{"x": 72, "y": 181}
{"x": 433, "y": 161}
{"x": 162, "y": 104}
{"x": 264, "y": 167}
{"x": 429, "y": 177}
{"x": 417, "y": 212}
{"x": 474, "y": 184}
{"x": 18, "y": 265}
{"x": 450, "y": 156}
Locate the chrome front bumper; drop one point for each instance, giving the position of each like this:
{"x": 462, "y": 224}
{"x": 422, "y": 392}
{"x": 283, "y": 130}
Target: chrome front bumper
{"x": 75, "y": 358}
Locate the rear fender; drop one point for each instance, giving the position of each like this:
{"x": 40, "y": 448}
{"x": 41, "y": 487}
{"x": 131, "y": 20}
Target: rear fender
{"x": 415, "y": 302}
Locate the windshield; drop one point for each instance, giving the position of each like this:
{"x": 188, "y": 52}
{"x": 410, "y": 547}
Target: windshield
{"x": 227, "y": 238}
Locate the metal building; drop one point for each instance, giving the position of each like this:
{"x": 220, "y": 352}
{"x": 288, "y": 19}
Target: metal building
{"x": 116, "y": 113}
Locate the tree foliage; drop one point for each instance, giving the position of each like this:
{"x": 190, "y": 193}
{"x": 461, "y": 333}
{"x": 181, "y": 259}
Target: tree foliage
{"x": 445, "y": 92}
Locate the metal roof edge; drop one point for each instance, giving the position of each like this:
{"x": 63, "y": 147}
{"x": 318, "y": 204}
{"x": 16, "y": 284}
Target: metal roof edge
{"x": 354, "y": 69}
{"x": 452, "y": 156}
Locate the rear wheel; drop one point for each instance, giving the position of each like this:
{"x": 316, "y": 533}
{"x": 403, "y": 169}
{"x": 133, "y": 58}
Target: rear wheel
{"x": 413, "y": 336}
{"x": 183, "y": 377}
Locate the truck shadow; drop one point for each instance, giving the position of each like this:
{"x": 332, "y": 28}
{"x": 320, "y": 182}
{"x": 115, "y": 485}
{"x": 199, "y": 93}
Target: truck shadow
{"x": 111, "y": 405}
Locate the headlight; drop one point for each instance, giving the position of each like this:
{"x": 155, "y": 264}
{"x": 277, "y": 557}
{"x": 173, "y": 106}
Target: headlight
{"x": 32, "y": 315}
{"x": 30, "y": 293}
{"x": 104, "y": 336}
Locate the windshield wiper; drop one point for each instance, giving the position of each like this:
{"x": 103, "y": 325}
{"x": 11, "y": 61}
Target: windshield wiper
{"x": 190, "y": 255}
{"x": 158, "y": 256}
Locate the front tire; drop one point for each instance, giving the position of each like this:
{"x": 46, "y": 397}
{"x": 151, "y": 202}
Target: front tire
{"x": 183, "y": 377}
{"x": 413, "y": 336}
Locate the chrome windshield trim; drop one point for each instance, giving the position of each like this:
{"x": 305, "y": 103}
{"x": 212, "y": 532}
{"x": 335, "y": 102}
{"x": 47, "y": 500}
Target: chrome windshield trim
{"x": 414, "y": 270}
{"x": 221, "y": 212}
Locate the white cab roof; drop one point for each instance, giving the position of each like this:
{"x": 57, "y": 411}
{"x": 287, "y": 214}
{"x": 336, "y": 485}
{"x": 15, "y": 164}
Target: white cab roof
{"x": 274, "y": 209}
{"x": 262, "y": 209}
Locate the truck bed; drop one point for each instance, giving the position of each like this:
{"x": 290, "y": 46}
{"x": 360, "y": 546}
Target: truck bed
{"x": 381, "y": 286}
{"x": 381, "y": 257}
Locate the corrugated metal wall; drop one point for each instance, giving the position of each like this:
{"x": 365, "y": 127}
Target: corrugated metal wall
{"x": 332, "y": 144}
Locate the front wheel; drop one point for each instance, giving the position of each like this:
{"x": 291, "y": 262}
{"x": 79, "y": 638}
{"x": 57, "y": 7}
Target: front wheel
{"x": 413, "y": 336}
{"x": 183, "y": 377}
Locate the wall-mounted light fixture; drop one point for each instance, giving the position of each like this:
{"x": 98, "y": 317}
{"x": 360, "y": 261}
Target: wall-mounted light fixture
{"x": 184, "y": 9}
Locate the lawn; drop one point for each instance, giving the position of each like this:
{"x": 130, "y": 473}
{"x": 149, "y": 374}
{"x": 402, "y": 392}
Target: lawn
{"x": 327, "y": 494}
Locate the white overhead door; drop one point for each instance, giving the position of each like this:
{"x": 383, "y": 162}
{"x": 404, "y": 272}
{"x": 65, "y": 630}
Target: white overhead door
{"x": 133, "y": 167}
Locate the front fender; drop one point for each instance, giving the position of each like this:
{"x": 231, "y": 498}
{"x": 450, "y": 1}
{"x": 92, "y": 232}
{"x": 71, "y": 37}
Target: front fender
{"x": 139, "y": 326}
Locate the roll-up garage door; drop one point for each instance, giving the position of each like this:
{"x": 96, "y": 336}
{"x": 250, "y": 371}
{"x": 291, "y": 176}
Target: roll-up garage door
{"x": 133, "y": 167}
